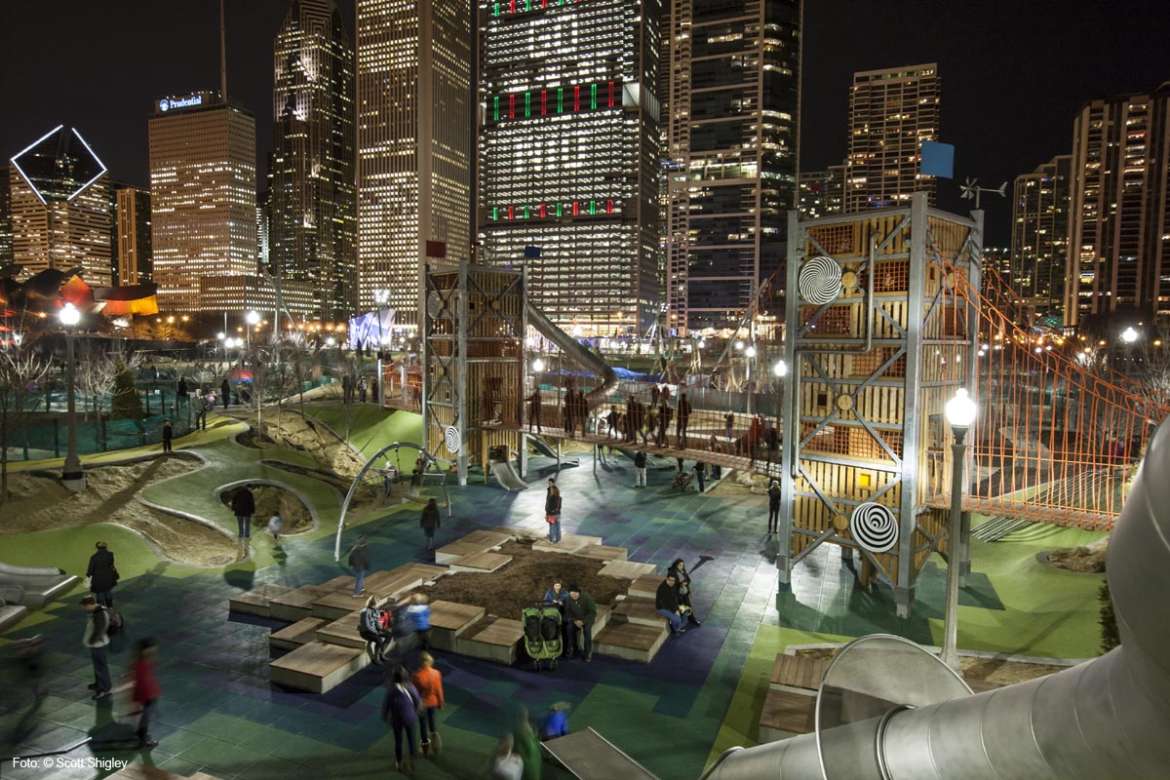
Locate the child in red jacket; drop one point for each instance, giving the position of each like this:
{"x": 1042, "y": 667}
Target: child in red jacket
{"x": 146, "y": 688}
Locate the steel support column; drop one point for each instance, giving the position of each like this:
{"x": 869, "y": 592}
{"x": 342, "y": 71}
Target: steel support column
{"x": 789, "y": 403}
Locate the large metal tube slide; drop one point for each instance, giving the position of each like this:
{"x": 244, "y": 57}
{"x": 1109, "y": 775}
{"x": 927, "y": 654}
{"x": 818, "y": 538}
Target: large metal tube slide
{"x": 1107, "y": 718}
{"x": 577, "y": 353}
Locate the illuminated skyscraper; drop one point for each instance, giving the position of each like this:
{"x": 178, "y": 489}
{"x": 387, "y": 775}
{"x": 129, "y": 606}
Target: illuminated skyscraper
{"x": 60, "y": 207}
{"x": 1119, "y": 258}
{"x": 1040, "y": 206}
{"x": 312, "y": 221}
{"x": 568, "y": 155}
{"x": 734, "y": 100}
{"x": 891, "y": 112}
{"x": 413, "y": 165}
{"x": 202, "y": 195}
{"x": 5, "y": 222}
{"x": 822, "y": 193}
{"x": 132, "y": 253}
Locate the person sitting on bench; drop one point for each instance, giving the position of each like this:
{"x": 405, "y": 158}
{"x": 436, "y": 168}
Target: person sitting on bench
{"x": 374, "y": 627}
{"x": 666, "y": 604}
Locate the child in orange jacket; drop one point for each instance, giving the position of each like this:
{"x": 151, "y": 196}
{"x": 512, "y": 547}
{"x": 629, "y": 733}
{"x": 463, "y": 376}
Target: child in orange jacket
{"x": 429, "y": 682}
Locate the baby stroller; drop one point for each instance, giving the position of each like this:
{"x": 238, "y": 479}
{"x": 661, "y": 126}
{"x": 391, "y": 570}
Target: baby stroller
{"x": 542, "y": 634}
{"x": 682, "y": 481}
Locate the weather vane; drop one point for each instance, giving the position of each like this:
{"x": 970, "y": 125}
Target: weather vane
{"x": 972, "y": 190}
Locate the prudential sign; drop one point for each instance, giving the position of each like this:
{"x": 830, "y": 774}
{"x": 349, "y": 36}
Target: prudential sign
{"x": 167, "y": 104}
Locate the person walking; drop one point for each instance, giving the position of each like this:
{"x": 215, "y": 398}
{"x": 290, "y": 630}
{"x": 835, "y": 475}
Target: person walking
{"x": 102, "y": 575}
{"x": 275, "y": 526}
{"x": 684, "y": 419}
{"x": 552, "y": 512}
{"x": 581, "y": 611}
{"x": 640, "y": 468}
{"x": 359, "y": 561}
{"x": 429, "y": 682}
{"x": 419, "y": 613}
{"x": 146, "y": 689}
{"x": 683, "y": 589}
{"x": 527, "y": 745}
{"x": 225, "y": 390}
{"x": 181, "y": 393}
{"x": 666, "y": 604}
{"x": 430, "y": 522}
{"x": 362, "y": 390}
{"x": 773, "y": 508}
{"x": 243, "y": 507}
{"x": 612, "y": 422}
{"x": 701, "y": 475}
{"x": 400, "y": 709}
{"x": 97, "y": 638}
{"x": 535, "y": 406}
{"x": 168, "y": 436}
{"x": 506, "y": 764}
{"x": 567, "y": 404}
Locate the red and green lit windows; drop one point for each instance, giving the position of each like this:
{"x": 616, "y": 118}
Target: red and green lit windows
{"x": 557, "y": 210}
{"x": 598, "y": 93}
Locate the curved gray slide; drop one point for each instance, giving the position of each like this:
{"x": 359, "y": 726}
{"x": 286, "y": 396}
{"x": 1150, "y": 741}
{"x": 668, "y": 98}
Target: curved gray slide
{"x": 578, "y": 354}
{"x": 1107, "y": 718}
{"x": 507, "y": 476}
{"x": 33, "y": 586}
{"x": 541, "y": 446}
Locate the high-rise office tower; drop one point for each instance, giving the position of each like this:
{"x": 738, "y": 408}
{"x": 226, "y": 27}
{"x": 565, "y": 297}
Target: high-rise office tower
{"x": 891, "y": 112}
{"x": 132, "y": 240}
{"x": 1119, "y": 258}
{"x": 5, "y": 222}
{"x": 822, "y": 192}
{"x": 60, "y": 207}
{"x": 1040, "y": 207}
{"x": 312, "y": 207}
{"x": 734, "y": 102}
{"x": 262, "y": 229}
{"x": 414, "y": 136}
{"x": 202, "y": 195}
{"x": 568, "y": 156}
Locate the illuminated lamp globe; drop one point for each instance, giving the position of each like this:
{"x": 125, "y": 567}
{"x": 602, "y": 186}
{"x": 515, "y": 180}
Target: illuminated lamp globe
{"x": 780, "y": 369}
{"x": 961, "y": 409}
{"x": 329, "y": 342}
{"x": 69, "y": 315}
{"x": 220, "y": 336}
{"x": 739, "y": 345}
{"x": 252, "y": 317}
{"x": 750, "y": 352}
{"x": 1129, "y": 335}
{"x": 537, "y": 365}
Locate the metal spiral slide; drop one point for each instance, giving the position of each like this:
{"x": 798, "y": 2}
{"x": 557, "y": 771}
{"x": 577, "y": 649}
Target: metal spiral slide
{"x": 577, "y": 353}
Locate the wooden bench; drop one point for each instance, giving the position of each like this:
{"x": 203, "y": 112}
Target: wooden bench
{"x": 343, "y": 631}
{"x": 603, "y": 552}
{"x": 317, "y": 667}
{"x": 388, "y": 585}
{"x": 570, "y": 543}
{"x": 336, "y": 605}
{"x": 786, "y": 714}
{"x": 481, "y": 563}
{"x": 450, "y": 553}
{"x": 646, "y": 586}
{"x": 293, "y": 636}
{"x": 295, "y": 604}
{"x": 631, "y": 641}
{"x": 490, "y": 538}
{"x": 449, "y": 620}
{"x": 256, "y": 601}
{"x": 627, "y": 570}
{"x": 797, "y": 673}
{"x": 493, "y": 639}
{"x": 639, "y": 611}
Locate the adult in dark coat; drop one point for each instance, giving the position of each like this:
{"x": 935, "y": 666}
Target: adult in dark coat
{"x": 103, "y": 575}
{"x": 773, "y": 508}
{"x": 181, "y": 396}
{"x": 580, "y": 611}
{"x": 666, "y": 604}
{"x": 225, "y": 391}
{"x": 682, "y": 588}
{"x": 243, "y": 507}
{"x": 534, "y": 409}
{"x": 168, "y": 435}
{"x": 400, "y": 711}
{"x": 681, "y": 422}
{"x": 430, "y": 522}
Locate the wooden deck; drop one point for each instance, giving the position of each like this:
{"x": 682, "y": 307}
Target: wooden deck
{"x": 317, "y": 667}
{"x": 296, "y": 634}
{"x": 449, "y": 620}
{"x": 631, "y": 641}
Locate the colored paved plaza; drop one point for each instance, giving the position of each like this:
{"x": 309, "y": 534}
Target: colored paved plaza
{"x": 219, "y": 713}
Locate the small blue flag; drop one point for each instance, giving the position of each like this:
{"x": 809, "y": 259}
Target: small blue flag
{"x": 938, "y": 159}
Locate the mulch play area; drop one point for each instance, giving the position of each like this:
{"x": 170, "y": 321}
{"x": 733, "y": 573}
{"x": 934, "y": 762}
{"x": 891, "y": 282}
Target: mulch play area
{"x": 522, "y": 582}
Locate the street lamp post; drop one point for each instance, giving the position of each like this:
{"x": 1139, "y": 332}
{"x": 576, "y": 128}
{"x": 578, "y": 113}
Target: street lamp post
{"x": 381, "y": 297}
{"x": 72, "y": 475}
{"x": 960, "y": 412}
{"x": 252, "y": 319}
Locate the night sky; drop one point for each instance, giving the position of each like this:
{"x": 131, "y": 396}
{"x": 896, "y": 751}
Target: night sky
{"x": 1013, "y": 72}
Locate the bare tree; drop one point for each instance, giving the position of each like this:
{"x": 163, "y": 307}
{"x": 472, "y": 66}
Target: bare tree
{"x": 20, "y": 369}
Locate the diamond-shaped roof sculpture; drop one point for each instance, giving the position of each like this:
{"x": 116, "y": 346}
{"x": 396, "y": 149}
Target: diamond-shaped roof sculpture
{"x": 59, "y": 165}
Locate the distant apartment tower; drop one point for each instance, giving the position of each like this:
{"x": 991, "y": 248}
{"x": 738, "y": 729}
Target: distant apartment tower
{"x": 415, "y": 124}
{"x": 1040, "y": 210}
{"x": 5, "y": 222}
{"x": 822, "y": 193}
{"x": 999, "y": 260}
{"x": 202, "y": 195}
{"x": 1119, "y": 259}
{"x": 568, "y": 158}
{"x": 132, "y": 240}
{"x": 735, "y": 79}
{"x": 312, "y": 207}
{"x": 60, "y": 207}
{"x": 891, "y": 112}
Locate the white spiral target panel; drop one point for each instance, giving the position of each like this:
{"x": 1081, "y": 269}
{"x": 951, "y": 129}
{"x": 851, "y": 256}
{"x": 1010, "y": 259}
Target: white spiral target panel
{"x": 874, "y": 527}
{"x": 453, "y": 440}
{"x": 820, "y": 280}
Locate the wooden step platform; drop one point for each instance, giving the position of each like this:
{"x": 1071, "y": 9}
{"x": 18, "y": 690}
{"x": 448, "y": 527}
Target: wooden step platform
{"x": 256, "y": 600}
{"x": 293, "y": 636}
{"x": 449, "y": 620}
{"x": 450, "y": 553}
{"x": 797, "y": 673}
{"x": 491, "y": 538}
{"x": 425, "y": 571}
{"x": 627, "y": 570}
{"x": 630, "y": 641}
{"x": 343, "y": 631}
{"x": 493, "y": 639}
{"x": 295, "y": 604}
{"x": 317, "y": 667}
{"x": 388, "y": 585}
{"x": 786, "y": 714}
{"x": 342, "y": 582}
{"x": 603, "y": 552}
{"x": 336, "y": 605}
{"x": 646, "y": 586}
{"x": 638, "y": 611}
{"x": 570, "y": 543}
{"x": 481, "y": 563}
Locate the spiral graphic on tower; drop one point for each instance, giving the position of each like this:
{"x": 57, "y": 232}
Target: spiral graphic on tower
{"x": 820, "y": 280}
{"x": 874, "y": 527}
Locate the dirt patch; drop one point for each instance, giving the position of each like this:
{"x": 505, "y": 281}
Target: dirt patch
{"x": 982, "y": 674}
{"x": 1088, "y": 560}
{"x": 296, "y": 432}
{"x": 272, "y": 500}
{"x": 522, "y": 582}
{"x": 40, "y": 503}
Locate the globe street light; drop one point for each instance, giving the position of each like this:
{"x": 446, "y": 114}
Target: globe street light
{"x": 252, "y": 318}
{"x": 1129, "y": 335}
{"x": 960, "y": 412}
{"x": 72, "y": 475}
{"x": 537, "y": 365}
{"x": 780, "y": 369}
